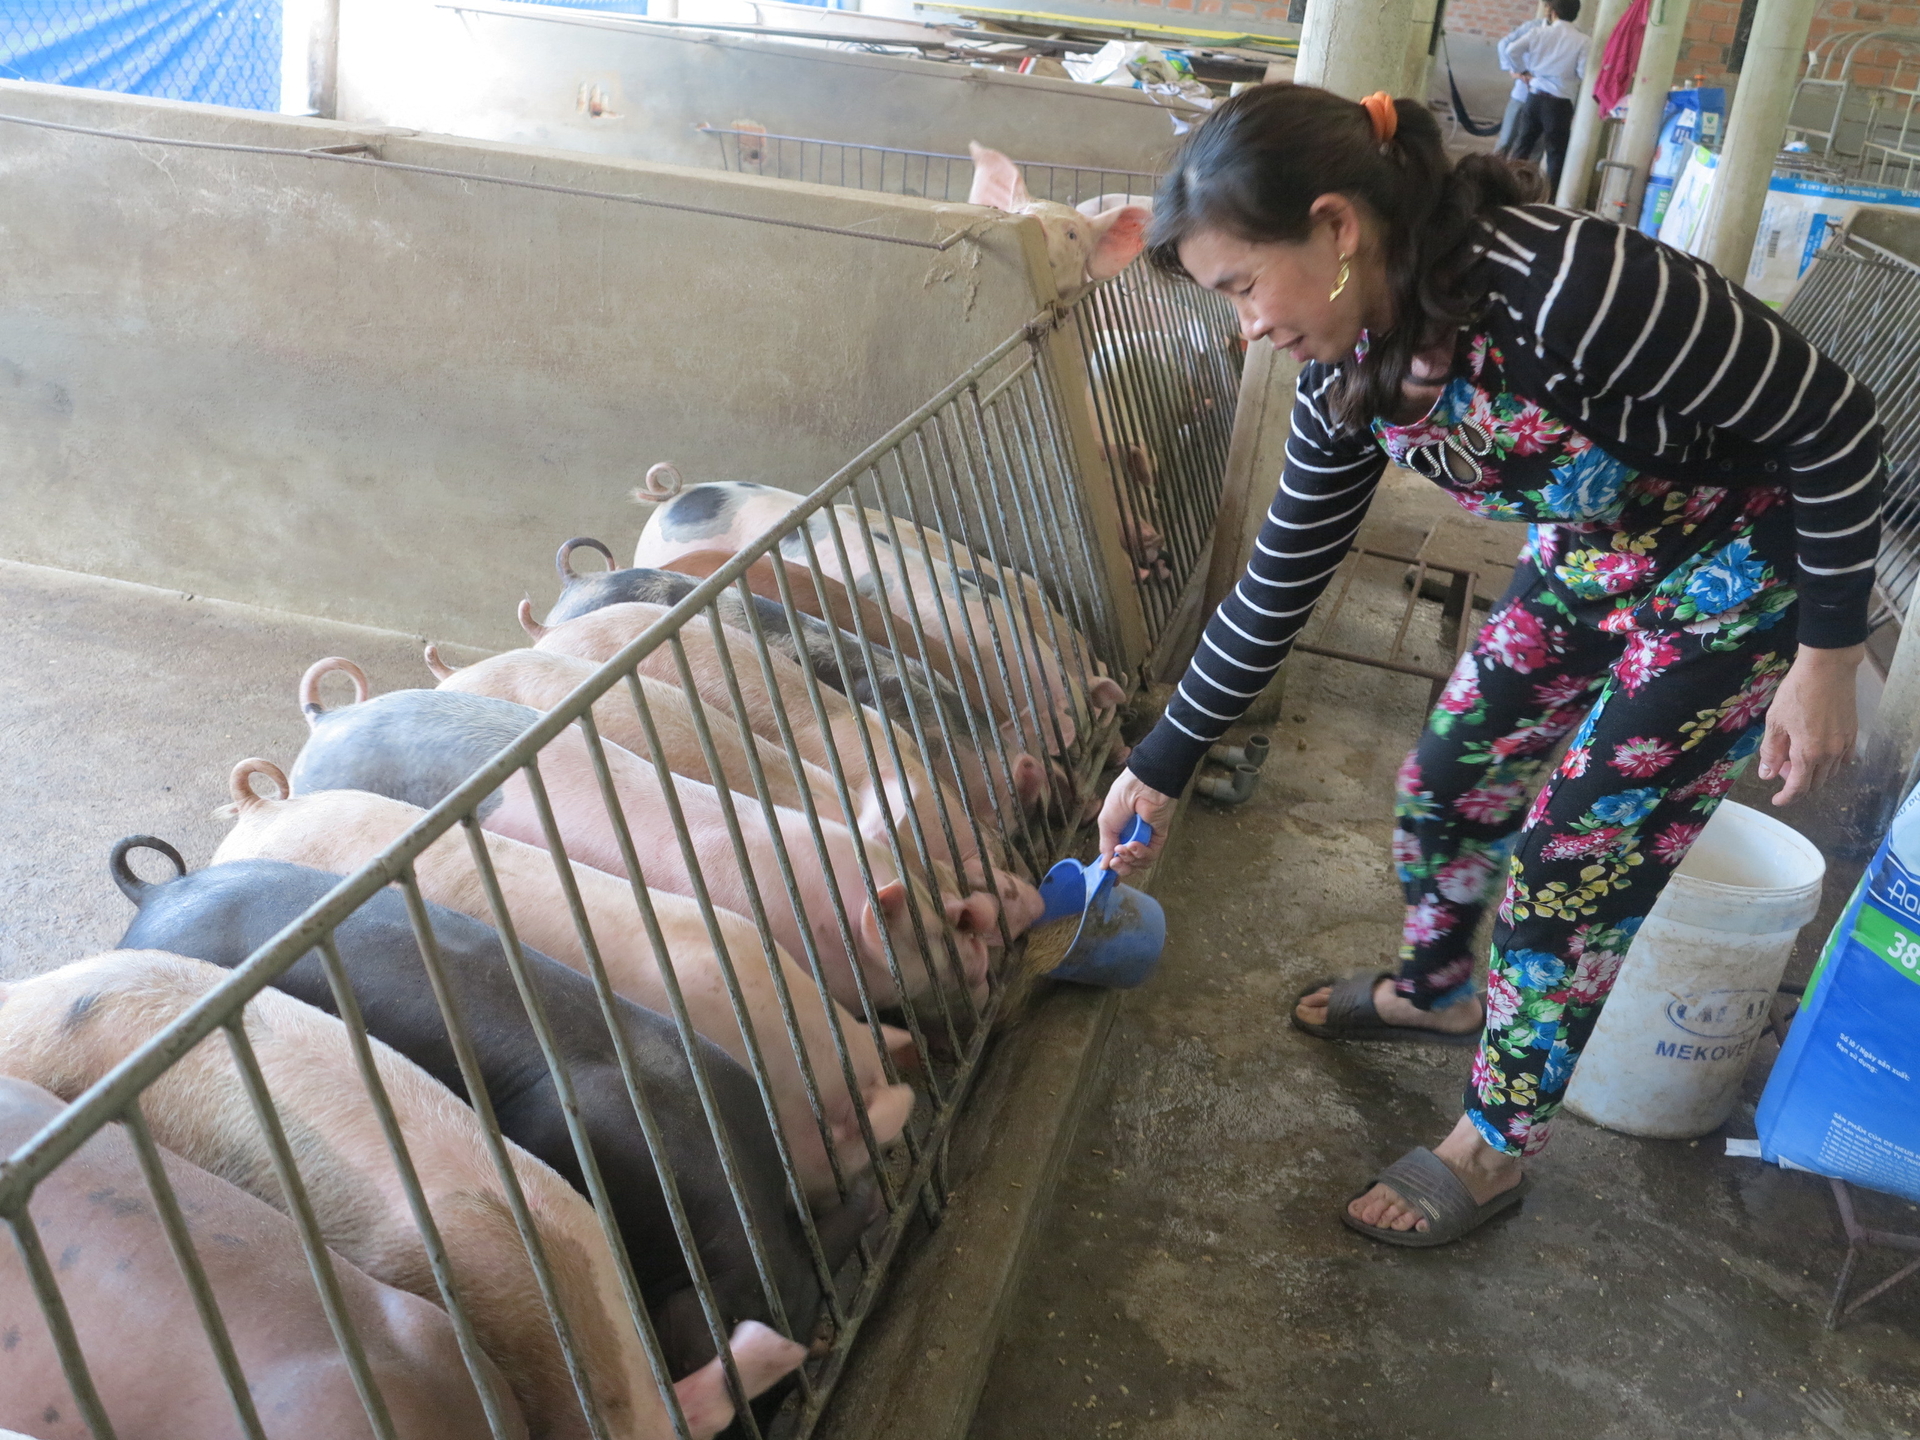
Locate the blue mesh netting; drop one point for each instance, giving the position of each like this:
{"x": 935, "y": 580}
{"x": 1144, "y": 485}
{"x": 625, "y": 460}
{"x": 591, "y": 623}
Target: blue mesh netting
{"x": 222, "y": 52}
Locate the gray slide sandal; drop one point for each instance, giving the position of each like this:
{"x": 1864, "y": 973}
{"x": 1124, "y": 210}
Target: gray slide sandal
{"x": 1422, "y": 1179}
{"x": 1351, "y": 1016}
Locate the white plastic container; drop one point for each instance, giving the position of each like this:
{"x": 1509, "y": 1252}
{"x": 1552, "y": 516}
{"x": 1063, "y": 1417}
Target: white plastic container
{"x": 1690, "y": 1003}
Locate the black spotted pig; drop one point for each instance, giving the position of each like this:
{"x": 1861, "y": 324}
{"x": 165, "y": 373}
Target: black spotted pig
{"x": 67, "y": 1028}
{"x": 222, "y": 914}
{"x": 341, "y": 830}
{"x": 137, "y": 1325}
{"x": 420, "y": 745}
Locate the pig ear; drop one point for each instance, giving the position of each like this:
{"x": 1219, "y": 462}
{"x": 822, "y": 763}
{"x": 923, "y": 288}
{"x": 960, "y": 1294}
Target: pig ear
{"x": 535, "y": 630}
{"x": 1104, "y": 694}
{"x": 1123, "y": 235}
{"x": 893, "y": 905}
{"x": 441, "y": 670}
{"x": 996, "y": 180}
{"x": 1029, "y": 780}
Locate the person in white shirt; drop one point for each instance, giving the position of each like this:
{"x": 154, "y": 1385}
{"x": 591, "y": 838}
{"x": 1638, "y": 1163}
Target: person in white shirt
{"x": 1552, "y": 60}
{"x": 1517, "y": 101}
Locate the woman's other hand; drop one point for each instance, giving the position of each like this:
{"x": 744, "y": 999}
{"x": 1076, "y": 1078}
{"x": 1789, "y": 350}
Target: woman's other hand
{"x": 1813, "y": 722}
{"x": 1131, "y": 796}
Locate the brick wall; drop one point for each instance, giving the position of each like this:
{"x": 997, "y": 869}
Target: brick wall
{"x": 1711, "y": 27}
{"x": 1488, "y": 18}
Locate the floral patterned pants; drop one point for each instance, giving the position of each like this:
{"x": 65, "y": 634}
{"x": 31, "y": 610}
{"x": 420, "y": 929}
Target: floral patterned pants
{"x": 1666, "y": 721}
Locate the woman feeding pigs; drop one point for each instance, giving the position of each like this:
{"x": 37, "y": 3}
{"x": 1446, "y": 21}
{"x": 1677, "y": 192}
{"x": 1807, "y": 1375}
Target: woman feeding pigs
{"x": 1703, "y": 494}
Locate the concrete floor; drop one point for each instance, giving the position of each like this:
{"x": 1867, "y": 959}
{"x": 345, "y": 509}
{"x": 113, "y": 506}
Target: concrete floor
{"x": 1191, "y": 1278}
{"x": 125, "y": 710}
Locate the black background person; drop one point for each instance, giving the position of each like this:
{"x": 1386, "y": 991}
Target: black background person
{"x": 1552, "y": 59}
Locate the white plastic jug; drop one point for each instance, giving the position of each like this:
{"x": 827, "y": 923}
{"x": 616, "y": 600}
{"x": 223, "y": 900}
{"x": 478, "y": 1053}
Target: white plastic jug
{"x": 1669, "y": 1051}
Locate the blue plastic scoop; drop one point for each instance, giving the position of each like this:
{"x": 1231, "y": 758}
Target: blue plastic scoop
{"x": 1119, "y": 931}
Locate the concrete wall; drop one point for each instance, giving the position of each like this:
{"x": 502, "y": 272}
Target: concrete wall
{"x": 387, "y": 397}
{"x": 612, "y": 87}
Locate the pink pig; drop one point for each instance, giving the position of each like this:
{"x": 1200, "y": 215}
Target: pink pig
{"x": 1082, "y": 249}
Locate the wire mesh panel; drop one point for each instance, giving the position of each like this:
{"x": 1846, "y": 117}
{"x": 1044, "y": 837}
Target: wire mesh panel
{"x": 931, "y": 174}
{"x": 709, "y": 948}
{"x": 1860, "y": 305}
{"x": 221, "y": 52}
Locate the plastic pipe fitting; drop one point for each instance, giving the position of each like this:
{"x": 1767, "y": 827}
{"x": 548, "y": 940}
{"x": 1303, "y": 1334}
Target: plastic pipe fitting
{"x": 1253, "y": 753}
{"x": 1230, "y": 789}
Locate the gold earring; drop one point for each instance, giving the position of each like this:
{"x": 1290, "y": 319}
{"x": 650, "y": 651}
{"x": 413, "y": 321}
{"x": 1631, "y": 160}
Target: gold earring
{"x": 1345, "y": 275}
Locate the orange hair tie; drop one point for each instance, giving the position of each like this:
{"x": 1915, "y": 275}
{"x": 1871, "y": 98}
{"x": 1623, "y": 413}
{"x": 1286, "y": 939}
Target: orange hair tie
{"x": 1386, "y": 119}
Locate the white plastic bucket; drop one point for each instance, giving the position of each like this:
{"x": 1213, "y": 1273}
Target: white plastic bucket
{"x": 1690, "y": 1003}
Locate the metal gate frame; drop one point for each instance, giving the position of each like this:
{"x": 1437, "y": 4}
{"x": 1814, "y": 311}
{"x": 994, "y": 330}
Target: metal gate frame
{"x": 986, "y": 466}
{"x": 1163, "y": 360}
{"x": 1859, "y": 304}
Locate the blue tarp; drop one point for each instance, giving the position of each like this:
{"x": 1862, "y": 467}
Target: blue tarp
{"x": 221, "y": 52}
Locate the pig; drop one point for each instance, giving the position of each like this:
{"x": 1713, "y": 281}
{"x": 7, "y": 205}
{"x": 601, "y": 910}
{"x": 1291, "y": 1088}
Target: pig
{"x": 600, "y": 634}
{"x": 543, "y": 678}
{"x": 1082, "y": 250}
{"x": 899, "y": 690}
{"x": 224, "y": 913}
{"x": 67, "y": 1028}
{"x": 1035, "y": 702}
{"x": 420, "y": 745}
{"x": 824, "y": 598}
{"x": 139, "y": 1329}
{"x": 341, "y": 830}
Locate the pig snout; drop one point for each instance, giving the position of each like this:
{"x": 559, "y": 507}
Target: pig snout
{"x": 975, "y": 914}
{"x": 1104, "y": 694}
{"x": 761, "y": 1355}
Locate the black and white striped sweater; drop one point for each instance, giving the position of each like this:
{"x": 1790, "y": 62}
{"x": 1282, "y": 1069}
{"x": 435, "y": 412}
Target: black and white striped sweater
{"x": 1649, "y": 353}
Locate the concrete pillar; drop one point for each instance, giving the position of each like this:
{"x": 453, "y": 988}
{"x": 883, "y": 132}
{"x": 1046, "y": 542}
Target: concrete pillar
{"x": 1355, "y": 47}
{"x": 1755, "y": 128}
{"x": 1659, "y": 52}
{"x": 1583, "y": 147}
{"x": 309, "y": 57}
{"x": 1414, "y": 80}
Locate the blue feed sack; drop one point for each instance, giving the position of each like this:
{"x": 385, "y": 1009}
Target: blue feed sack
{"x": 1842, "y": 1099}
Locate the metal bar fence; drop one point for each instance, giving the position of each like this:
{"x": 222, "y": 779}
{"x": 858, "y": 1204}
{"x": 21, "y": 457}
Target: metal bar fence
{"x": 930, "y": 174}
{"x": 1860, "y": 305}
{"x": 772, "y": 961}
{"x": 1163, "y": 358}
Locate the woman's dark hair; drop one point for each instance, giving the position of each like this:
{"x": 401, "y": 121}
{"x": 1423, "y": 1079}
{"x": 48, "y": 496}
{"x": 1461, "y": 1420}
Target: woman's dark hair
{"x": 1254, "y": 169}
